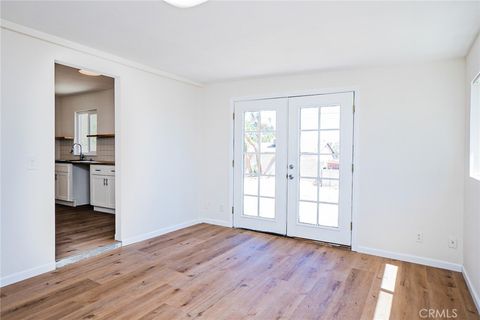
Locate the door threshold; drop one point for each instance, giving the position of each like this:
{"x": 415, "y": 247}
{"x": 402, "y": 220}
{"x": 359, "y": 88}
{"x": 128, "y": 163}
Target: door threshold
{"x": 87, "y": 254}
{"x": 322, "y": 243}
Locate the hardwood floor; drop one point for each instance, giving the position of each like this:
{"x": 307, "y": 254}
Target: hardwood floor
{"x": 212, "y": 272}
{"x": 79, "y": 229}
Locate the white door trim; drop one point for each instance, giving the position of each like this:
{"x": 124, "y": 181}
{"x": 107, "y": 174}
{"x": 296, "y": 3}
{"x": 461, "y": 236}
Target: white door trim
{"x": 356, "y": 152}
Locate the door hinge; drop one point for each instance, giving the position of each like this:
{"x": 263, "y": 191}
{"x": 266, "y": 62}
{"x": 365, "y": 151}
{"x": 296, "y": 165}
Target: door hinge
{"x": 353, "y": 167}
{"x": 351, "y": 226}
{"x": 233, "y": 163}
{"x": 232, "y": 210}
{"x": 354, "y": 108}
{"x": 233, "y": 116}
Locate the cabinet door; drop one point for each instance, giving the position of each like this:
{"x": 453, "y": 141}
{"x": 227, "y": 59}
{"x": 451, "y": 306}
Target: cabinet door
{"x": 110, "y": 192}
{"x": 98, "y": 191}
{"x": 63, "y": 186}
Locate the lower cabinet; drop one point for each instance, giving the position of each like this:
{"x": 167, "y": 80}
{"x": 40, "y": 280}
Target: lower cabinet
{"x": 71, "y": 184}
{"x": 102, "y": 188}
{"x": 63, "y": 186}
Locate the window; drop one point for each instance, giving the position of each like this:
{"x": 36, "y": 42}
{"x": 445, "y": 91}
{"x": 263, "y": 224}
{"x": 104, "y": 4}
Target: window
{"x": 85, "y": 125}
{"x": 475, "y": 129}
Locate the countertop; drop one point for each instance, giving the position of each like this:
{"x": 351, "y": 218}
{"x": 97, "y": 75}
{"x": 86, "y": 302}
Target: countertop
{"x": 87, "y": 162}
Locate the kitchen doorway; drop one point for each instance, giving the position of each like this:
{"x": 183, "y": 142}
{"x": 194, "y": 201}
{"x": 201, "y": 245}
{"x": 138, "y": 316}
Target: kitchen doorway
{"x": 85, "y": 206}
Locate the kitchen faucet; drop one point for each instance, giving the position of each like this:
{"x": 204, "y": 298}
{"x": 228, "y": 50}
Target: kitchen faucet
{"x": 82, "y": 156}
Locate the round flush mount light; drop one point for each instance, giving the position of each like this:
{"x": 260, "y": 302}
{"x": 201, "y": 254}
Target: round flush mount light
{"x": 89, "y": 73}
{"x": 185, "y": 3}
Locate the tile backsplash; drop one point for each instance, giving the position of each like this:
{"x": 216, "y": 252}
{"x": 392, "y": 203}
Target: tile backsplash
{"x": 105, "y": 150}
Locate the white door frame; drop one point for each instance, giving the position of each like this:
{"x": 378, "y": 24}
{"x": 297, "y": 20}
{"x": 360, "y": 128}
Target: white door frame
{"x": 356, "y": 152}
{"x": 117, "y": 111}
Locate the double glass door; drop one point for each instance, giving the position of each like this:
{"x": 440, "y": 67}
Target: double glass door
{"x": 293, "y": 166}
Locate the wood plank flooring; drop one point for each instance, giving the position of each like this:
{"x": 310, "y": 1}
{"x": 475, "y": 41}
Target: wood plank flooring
{"x": 211, "y": 272}
{"x": 79, "y": 229}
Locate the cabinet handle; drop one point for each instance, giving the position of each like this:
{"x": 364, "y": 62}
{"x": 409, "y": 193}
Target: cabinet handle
{"x": 106, "y": 181}
{"x": 103, "y": 181}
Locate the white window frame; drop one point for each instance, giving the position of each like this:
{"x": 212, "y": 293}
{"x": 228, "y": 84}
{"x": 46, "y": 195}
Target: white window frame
{"x": 474, "y": 156}
{"x": 77, "y": 137}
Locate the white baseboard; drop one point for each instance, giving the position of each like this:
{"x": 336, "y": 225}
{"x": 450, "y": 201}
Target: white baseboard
{"x": 216, "y": 222}
{"x": 159, "y": 232}
{"x": 411, "y": 258}
{"x": 475, "y": 294}
{"x": 29, "y": 273}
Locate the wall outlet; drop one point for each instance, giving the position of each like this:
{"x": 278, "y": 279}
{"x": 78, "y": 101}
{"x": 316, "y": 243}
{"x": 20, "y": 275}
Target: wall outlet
{"x": 452, "y": 242}
{"x": 419, "y": 237}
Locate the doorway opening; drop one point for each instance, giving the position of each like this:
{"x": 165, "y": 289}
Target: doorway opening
{"x": 85, "y": 218}
{"x": 293, "y": 168}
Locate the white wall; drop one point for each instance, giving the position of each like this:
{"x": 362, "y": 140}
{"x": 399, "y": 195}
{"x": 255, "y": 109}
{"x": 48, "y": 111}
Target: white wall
{"x": 156, "y": 134}
{"x": 471, "y": 252}
{"x": 409, "y": 163}
{"x": 102, "y": 101}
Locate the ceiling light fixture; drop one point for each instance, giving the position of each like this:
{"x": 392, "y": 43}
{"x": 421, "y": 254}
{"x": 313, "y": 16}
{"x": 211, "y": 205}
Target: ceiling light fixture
{"x": 185, "y": 3}
{"x": 89, "y": 73}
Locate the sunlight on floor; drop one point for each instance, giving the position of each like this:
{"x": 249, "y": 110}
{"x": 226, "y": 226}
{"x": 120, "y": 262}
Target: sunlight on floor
{"x": 385, "y": 296}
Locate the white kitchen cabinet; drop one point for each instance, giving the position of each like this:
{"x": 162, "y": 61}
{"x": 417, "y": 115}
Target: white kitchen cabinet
{"x": 102, "y": 188}
{"x": 63, "y": 186}
{"x": 71, "y": 184}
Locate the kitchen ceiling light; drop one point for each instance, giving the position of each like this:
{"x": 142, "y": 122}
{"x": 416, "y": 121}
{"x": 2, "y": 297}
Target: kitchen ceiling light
{"x": 89, "y": 73}
{"x": 185, "y": 3}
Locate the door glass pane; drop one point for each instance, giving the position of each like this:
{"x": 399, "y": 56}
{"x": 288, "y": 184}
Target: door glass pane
{"x": 307, "y": 212}
{"x": 250, "y": 206}
{"x": 251, "y": 142}
{"x": 330, "y": 117}
{"x": 328, "y": 215}
{"x": 267, "y": 142}
{"x": 308, "y": 166}
{"x": 250, "y": 185}
{"x": 308, "y": 189}
{"x": 250, "y": 164}
{"x": 252, "y": 120}
{"x": 268, "y": 120}
{"x": 267, "y": 186}
{"x": 330, "y": 142}
{"x": 329, "y": 167}
{"x": 309, "y": 118}
{"x": 328, "y": 191}
{"x": 267, "y": 164}
{"x": 309, "y": 141}
{"x": 259, "y": 163}
{"x": 267, "y": 208}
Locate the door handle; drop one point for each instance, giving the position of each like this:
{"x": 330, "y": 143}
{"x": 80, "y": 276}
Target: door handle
{"x": 290, "y": 176}
{"x": 290, "y": 166}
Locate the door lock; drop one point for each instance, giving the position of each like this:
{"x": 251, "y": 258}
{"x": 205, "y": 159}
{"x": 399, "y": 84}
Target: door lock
{"x": 290, "y": 176}
{"x": 290, "y": 166}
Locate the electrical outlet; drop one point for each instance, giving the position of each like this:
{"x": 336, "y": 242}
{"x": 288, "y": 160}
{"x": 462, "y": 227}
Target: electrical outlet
{"x": 419, "y": 237}
{"x": 452, "y": 242}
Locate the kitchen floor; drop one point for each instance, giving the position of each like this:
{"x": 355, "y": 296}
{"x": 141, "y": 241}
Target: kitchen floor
{"x": 80, "y": 230}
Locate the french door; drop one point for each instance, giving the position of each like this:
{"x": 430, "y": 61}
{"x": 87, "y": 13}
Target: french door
{"x": 293, "y": 166}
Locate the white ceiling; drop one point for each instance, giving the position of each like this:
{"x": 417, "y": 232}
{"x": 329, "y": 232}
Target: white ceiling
{"x": 70, "y": 81}
{"x": 222, "y": 40}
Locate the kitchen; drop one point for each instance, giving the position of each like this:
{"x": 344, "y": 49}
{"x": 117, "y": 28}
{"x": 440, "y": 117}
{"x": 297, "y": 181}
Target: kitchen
{"x": 84, "y": 164}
